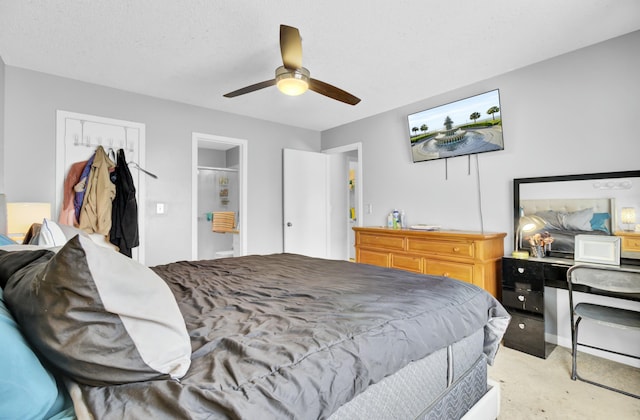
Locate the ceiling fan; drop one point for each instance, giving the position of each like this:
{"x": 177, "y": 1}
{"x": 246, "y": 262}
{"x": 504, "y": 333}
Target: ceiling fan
{"x": 293, "y": 79}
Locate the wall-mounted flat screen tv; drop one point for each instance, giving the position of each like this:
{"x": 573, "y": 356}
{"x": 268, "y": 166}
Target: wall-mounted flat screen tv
{"x": 468, "y": 126}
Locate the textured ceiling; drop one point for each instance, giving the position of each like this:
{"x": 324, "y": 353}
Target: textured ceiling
{"x": 388, "y": 53}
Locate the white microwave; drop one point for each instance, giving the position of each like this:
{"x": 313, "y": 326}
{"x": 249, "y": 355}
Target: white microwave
{"x": 597, "y": 249}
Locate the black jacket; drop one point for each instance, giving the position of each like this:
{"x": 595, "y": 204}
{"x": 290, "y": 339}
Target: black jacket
{"x": 124, "y": 213}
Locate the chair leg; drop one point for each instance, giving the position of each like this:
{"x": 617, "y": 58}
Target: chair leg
{"x": 574, "y": 350}
{"x": 574, "y": 364}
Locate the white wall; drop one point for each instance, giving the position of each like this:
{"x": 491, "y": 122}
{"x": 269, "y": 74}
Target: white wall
{"x": 576, "y": 113}
{"x": 31, "y": 101}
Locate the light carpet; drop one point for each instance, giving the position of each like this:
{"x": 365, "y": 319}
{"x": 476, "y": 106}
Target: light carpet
{"x": 534, "y": 388}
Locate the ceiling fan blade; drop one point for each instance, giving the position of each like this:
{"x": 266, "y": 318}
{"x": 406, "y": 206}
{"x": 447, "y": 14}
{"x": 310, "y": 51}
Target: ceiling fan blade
{"x": 332, "y": 92}
{"x": 252, "y": 88}
{"x": 290, "y": 47}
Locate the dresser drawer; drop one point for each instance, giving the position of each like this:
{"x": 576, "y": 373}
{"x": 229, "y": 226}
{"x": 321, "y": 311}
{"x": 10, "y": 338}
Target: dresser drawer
{"x": 448, "y": 248}
{"x": 407, "y": 262}
{"x": 631, "y": 243}
{"x": 458, "y": 271}
{"x": 381, "y": 241}
{"x": 526, "y": 333}
{"x": 522, "y": 274}
{"x": 366, "y": 256}
{"x": 523, "y": 300}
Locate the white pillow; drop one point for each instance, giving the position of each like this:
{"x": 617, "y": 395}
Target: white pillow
{"x": 71, "y": 231}
{"x": 51, "y": 234}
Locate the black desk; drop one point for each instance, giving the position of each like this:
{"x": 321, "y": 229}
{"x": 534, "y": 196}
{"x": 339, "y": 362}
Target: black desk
{"x": 523, "y": 283}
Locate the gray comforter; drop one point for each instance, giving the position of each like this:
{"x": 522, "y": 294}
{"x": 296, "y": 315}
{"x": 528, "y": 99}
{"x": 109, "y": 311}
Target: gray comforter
{"x": 287, "y": 336}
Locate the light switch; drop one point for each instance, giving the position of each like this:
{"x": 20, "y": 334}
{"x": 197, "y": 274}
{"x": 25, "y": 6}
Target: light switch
{"x": 159, "y": 208}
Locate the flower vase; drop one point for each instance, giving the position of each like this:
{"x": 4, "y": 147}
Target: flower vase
{"x": 537, "y": 251}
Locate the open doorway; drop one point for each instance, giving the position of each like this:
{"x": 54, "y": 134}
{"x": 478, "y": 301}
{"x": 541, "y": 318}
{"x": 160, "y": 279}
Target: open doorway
{"x": 218, "y": 185}
{"x": 346, "y": 196}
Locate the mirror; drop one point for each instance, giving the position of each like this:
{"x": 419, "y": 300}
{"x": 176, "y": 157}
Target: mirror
{"x": 606, "y": 193}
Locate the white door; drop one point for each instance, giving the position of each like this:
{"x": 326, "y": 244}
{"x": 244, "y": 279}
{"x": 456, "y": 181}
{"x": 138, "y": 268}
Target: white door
{"x": 78, "y": 136}
{"x": 305, "y": 206}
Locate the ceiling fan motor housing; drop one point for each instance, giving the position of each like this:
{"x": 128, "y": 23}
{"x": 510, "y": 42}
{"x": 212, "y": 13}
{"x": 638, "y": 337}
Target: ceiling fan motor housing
{"x": 292, "y": 82}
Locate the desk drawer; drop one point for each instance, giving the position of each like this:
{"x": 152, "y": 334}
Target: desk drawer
{"x": 462, "y": 272}
{"x": 524, "y": 300}
{"x": 522, "y": 274}
{"x": 526, "y": 333}
{"x": 381, "y": 241}
{"x": 556, "y": 272}
{"x": 448, "y": 248}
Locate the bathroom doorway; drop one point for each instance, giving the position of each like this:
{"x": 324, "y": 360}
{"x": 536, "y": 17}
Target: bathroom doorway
{"x": 219, "y": 185}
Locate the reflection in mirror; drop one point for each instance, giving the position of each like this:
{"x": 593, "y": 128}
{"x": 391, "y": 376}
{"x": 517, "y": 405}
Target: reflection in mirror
{"x": 579, "y": 204}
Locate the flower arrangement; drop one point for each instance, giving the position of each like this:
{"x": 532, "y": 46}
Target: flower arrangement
{"x": 540, "y": 243}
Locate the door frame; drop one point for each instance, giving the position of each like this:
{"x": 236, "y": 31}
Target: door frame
{"x": 62, "y": 116}
{"x": 357, "y": 147}
{"x": 225, "y": 143}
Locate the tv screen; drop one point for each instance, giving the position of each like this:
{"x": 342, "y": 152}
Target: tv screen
{"x": 468, "y": 126}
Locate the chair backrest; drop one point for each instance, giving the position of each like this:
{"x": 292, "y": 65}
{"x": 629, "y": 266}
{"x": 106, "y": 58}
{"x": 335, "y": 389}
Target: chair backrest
{"x": 608, "y": 278}
{"x": 224, "y": 221}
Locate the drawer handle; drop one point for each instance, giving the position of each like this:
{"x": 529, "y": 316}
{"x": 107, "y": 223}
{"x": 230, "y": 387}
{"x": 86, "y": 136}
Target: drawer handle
{"x": 522, "y": 326}
{"x": 456, "y": 249}
{"x": 521, "y": 298}
{"x": 520, "y": 270}
{"x": 445, "y": 274}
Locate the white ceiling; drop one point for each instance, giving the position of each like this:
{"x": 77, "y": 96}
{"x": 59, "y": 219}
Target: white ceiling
{"x": 388, "y": 53}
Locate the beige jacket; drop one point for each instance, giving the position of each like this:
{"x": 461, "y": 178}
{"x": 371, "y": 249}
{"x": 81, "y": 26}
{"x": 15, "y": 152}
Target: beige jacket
{"x": 95, "y": 214}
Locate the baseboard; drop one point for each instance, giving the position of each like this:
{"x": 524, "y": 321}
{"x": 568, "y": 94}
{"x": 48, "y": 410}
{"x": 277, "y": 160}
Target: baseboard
{"x": 566, "y": 343}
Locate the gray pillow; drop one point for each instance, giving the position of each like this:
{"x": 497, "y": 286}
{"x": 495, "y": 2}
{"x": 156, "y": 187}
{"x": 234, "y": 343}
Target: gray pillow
{"x": 552, "y": 219}
{"x": 579, "y": 220}
{"x": 100, "y": 317}
{"x": 561, "y": 220}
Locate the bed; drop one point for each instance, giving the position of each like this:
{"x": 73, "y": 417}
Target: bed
{"x": 261, "y": 336}
{"x": 565, "y": 218}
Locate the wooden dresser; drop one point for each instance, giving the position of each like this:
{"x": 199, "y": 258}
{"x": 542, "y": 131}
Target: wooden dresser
{"x": 630, "y": 244}
{"x": 469, "y": 256}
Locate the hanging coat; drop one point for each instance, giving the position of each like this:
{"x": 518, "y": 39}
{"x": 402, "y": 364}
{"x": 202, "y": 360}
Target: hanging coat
{"x": 81, "y": 187}
{"x": 68, "y": 211}
{"x": 124, "y": 220}
{"x": 95, "y": 214}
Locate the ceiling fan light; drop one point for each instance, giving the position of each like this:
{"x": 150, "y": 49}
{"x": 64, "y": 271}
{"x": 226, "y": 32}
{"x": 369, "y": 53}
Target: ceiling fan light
{"x": 292, "y": 82}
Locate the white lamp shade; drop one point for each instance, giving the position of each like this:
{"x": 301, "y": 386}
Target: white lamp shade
{"x": 628, "y": 215}
{"x": 20, "y": 217}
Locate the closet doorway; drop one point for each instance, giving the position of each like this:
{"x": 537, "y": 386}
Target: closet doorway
{"x": 218, "y": 185}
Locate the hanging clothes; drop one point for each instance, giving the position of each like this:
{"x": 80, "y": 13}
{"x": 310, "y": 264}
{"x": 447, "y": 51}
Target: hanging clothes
{"x": 95, "y": 214}
{"x": 68, "y": 211}
{"x": 81, "y": 187}
{"x": 124, "y": 220}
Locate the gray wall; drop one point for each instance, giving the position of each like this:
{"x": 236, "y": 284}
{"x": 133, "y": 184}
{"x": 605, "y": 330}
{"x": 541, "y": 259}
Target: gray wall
{"x": 2, "y": 71}
{"x": 31, "y": 101}
{"x": 576, "y": 113}
{"x": 212, "y": 158}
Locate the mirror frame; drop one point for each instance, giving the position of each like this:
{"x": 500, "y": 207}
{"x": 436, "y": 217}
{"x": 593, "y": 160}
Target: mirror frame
{"x": 517, "y": 182}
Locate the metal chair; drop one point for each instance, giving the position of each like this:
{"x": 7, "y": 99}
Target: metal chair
{"x": 612, "y": 279}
